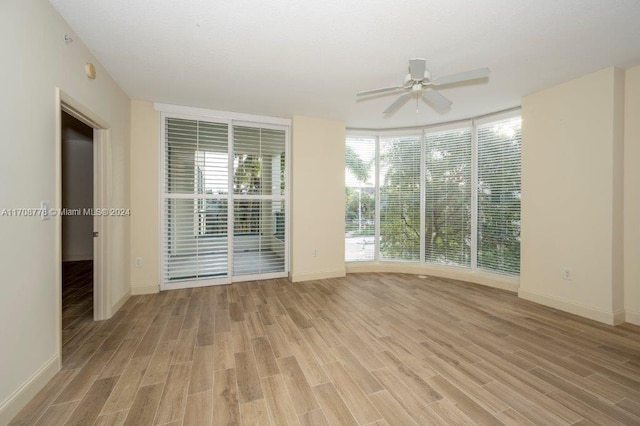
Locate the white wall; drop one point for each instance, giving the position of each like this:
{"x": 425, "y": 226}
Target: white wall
{"x": 35, "y": 61}
{"x": 632, "y": 196}
{"x": 317, "y": 219}
{"x": 571, "y": 196}
{"x": 77, "y": 189}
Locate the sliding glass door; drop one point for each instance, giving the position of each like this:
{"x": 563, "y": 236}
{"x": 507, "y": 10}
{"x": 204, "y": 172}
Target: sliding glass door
{"x": 224, "y": 191}
{"x": 258, "y": 200}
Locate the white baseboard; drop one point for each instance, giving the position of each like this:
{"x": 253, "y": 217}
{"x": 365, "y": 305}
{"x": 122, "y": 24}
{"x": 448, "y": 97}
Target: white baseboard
{"x": 632, "y": 317}
{"x": 579, "y": 309}
{"x": 145, "y": 289}
{"x": 116, "y": 306}
{"x": 317, "y": 275}
{"x": 619, "y": 317}
{"x": 462, "y": 274}
{"x": 25, "y": 393}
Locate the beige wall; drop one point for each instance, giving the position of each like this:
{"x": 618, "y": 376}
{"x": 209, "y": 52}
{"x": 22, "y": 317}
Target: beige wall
{"x": 571, "y": 157}
{"x": 145, "y": 147}
{"x": 317, "y": 225}
{"x": 36, "y": 60}
{"x": 632, "y": 196}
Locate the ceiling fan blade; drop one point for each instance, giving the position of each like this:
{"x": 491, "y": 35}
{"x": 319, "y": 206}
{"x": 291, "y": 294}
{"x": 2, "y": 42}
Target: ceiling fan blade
{"x": 383, "y": 90}
{"x": 462, "y": 76}
{"x": 436, "y": 99}
{"x": 417, "y": 68}
{"x": 398, "y": 103}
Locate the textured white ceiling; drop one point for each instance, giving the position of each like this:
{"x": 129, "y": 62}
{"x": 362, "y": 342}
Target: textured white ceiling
{"x": 288, "y": 57}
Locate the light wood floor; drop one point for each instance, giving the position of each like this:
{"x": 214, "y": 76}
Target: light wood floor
{"x": 367, "y": 349}
{"x": 77, "y": 303}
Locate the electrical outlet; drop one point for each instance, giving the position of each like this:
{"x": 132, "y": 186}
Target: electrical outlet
{"x": 138, "y": 262}
{"x": 567, "y": 273}
{"x": 315, "y": 252}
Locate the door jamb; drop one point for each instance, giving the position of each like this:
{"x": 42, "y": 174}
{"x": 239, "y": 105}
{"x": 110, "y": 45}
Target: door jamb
{"x": 101, "y": 200}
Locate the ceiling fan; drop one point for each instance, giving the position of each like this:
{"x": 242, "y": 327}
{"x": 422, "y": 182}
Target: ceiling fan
{"x": 418, "y": 83}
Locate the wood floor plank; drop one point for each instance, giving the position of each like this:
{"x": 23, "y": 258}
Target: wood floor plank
{"x": 249, "y": 388}
{"x": 417, "y": 408}
{"x": 265, "y": 358}
{"x": 511, "y": 417}
{"x": 174, "y": 395}
{"x": 353, "y": 396}
{"x": 362, "y": 351}
{"x": 172, "y": 328}
{"x": 313, "y": 418}
{"x": 278, "y": 340}
{"x": 390, "y": 409}
{"x": 586, "y": 410}
{"x": 185, "y": 346}
{"x": 145, "y": 405}
{"x": 460, "y": 379}
{"x": 57, "y": 414}
{"x": 448, "y": 413}
{"x": 85, "y": 378}
{"x": 463, "y": 402}
{"x": 587, "y": 399}
{"x": 601, "y": 390}
{"x": 149, "y": 342}
{"x": 254, "y": 413}
{"x": 297, "y": 385}
{"x": 414, "y": 382}
{"x": 43, "y": 399}
{"x": 525, "y": 407}
{"x": 241, "y": 338}
{"x": 158, "y": 367}
{"x": 333, "y": 405}
{"x": 226, "y": 409}
{"x": 120, "y": 358}
{"x": 125, "y": 390}
{"x": 361, "y": 375}
{"x": 202, "y": 370}
{"x": 309, "y": 363}
{"x": 223, "y": 350}
{"x": 199, "y": 411}
{"x": 254, "y": 325}
{"x": 281, "y": 410}
{"x": 112, "y": 419}
{"x": 89, "y": 407}
{"x": 632, "y": 406}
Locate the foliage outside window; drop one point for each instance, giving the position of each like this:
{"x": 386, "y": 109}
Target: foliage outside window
{"x": 360, "y": 199}
{"x": 426, "y": 211}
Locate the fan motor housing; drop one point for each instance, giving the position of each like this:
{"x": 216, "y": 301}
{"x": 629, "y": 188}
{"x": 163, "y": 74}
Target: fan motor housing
{"x": 426, "y": 79}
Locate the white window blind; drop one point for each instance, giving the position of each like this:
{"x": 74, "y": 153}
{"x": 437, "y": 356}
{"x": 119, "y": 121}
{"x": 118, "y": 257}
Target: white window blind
{"x": 360, "y": 172}
{"x": 195, "y": 201}
{"x": 399, "y": 178}
{"x": 224, "y": 201}
{"x": 499, "y": 175}
{"x": 259, "y": 200}
{"x": 448, "y": 197}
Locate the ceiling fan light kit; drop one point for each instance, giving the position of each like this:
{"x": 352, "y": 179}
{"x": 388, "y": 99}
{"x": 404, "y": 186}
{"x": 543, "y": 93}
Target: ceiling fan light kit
{"x": 418, "y": 83}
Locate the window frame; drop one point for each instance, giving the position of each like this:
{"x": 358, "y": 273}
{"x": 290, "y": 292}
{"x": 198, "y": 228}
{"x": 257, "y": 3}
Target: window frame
{"x": 423, "y": 131}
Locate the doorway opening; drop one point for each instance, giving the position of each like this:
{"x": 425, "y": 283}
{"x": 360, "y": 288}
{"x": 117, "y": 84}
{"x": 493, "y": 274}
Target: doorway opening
{"x": 77, "y": 230}
{"x": 83, "y": 188}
